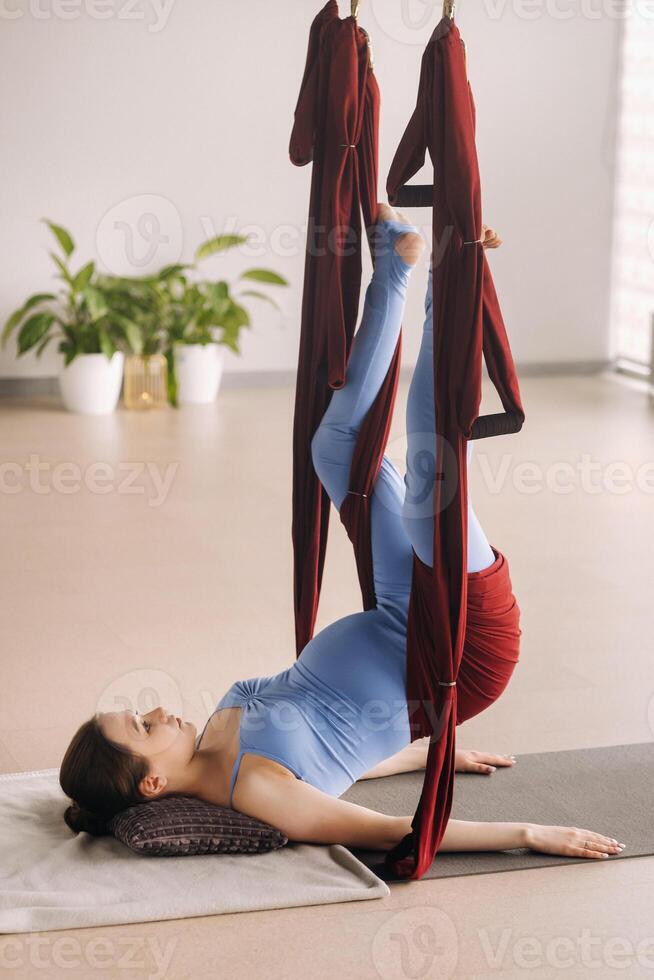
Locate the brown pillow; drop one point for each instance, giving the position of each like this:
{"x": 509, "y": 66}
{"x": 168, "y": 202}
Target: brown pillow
{"x": 178, "y": 825}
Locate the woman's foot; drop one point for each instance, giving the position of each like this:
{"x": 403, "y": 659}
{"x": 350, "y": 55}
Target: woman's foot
{"x": 409, "y": 246}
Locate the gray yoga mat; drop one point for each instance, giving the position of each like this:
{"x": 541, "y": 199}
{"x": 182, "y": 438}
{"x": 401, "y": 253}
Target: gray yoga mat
{"x": 609, "y": 790}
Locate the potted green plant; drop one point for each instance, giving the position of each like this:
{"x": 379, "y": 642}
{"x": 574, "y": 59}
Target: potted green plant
{"x": 202, "y": 319}
{"x": 79, "y": 316}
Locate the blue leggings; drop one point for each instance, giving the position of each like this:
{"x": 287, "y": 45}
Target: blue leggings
{"x": 401, "y": 510}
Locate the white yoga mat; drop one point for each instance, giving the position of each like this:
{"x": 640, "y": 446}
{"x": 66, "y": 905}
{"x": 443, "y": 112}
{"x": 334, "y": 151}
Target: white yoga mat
{"x": 51, "y": 878}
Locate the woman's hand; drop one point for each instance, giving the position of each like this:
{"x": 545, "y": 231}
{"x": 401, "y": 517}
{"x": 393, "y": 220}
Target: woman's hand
{"x": 570, "y": 842}
{"x": 489, "y": 237}
{"x": 467, "y": 760}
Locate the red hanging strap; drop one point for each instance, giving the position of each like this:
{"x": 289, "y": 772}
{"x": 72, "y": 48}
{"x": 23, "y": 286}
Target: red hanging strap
{"x": 336, "y": 128}
{"x": 467, "y": 323}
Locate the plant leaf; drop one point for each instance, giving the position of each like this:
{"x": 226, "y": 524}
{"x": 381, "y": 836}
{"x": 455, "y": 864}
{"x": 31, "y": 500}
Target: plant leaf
{"x": 258, "y": 295}
{"x": 218, "y": 244}
{"x": 44, "y": 343}
{"x": 83, "y": 277}
{"x": 237, "y": 316}
{"x": 265, "y": 275}
{"x": 18, "y": 315}
{"x": 107, "y": 345}
{"x": 172, "y": 376}
{"x": 33, "y": 330}
{"x": 68, "y": 331}
{"x": 65, "y": 274}
{"x": 62, "y": 236}
{"x": 96, "y": 302}
{"x": 217, "y": 291}
{"x": 172, "y": 272}
{"x": 133, "y": 335}
{"x": 69, "y": 350}
{"x": 231, "y": 342}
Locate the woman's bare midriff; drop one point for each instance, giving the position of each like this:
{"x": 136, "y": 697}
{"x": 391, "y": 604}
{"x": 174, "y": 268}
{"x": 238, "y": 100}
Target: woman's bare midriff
{"x": 222, "y": 736}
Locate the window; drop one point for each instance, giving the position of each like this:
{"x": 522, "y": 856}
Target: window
{"x": 632, "y": 294}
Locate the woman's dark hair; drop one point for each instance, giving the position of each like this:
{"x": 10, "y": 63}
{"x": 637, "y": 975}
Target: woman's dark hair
{"x": 101, "y": 778}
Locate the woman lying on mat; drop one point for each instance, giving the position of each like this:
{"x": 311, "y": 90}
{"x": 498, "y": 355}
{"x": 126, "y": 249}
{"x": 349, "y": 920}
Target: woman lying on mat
{"x": 284, "y": 748}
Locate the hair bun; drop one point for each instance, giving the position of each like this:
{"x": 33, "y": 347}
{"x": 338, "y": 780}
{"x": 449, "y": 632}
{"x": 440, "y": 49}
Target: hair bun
{"x": 80, "y": 819}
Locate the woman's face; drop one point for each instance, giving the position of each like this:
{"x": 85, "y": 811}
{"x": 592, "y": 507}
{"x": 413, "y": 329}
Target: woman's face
{"x": 167, "y": 742}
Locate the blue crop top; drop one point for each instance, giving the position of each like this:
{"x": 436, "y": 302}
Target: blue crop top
{"x": 336, "y": 712}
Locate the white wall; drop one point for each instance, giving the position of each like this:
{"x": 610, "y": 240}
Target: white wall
{"x": 185, "y": 112}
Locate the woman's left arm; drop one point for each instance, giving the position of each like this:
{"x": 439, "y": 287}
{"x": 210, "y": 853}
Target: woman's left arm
{"x": 408, "y": 759}
{"x": 414, "y": 757}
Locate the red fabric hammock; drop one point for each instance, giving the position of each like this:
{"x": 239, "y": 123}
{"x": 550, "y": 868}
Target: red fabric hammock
{"x": 467, "y": 321}
{"x": 336, "y": 127}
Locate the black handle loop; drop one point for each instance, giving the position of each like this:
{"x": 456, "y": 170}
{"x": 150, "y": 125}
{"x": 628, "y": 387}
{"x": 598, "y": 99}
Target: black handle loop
{"x": 500, "y": 424}
{"x": 414, "y": 196}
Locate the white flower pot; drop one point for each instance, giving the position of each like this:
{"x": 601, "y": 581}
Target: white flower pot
{"x": 91, "y": 383}
{"x": 199, "y": 369}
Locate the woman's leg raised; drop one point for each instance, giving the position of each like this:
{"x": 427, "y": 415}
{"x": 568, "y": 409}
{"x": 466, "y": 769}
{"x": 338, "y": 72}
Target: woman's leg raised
{"x": 333, "y": 443}
{"x": 418, "y": 517}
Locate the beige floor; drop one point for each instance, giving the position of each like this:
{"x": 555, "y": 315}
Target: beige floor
{"x": 173, "y": 595}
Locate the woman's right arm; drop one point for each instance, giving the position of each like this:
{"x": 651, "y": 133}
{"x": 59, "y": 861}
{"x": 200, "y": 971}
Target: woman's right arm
{"x": 305, "y": 813}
